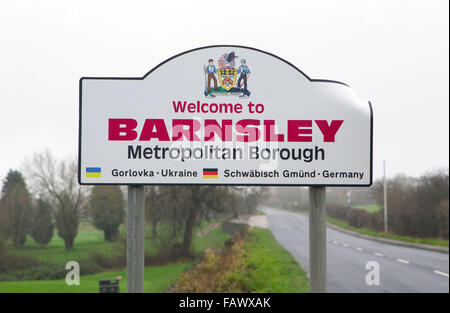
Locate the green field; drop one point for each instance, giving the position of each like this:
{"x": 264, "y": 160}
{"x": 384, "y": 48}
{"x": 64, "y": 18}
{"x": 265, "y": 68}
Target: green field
{"x": 86, "y": 242}
{"x": 157, "y": 279}
{"x": 269, "y": 267}
{"x": 90, "y": 241}
{"x": 371, "y": 208}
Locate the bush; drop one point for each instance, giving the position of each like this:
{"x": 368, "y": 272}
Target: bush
{"x": 2, "y": 246}
{"x": 107, "y": 210}
{"x": 43, "y": 271}
{"x": 106, "y": 262}
{"x": 417, "y": 207}
{"x": 376, "y": 221}
{"x": 14, "y": 267}
{"x": 358, "y": 218}
{"x": 43, "y": 226}
{"x": 338, "y": 211}
{"x": 216, "y": 272}
{"x": 9, "y": 262}
{"x": 442, "y": 212}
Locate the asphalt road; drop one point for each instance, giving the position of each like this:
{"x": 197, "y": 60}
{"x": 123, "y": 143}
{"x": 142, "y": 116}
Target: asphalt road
{"x": 402, "y": 269}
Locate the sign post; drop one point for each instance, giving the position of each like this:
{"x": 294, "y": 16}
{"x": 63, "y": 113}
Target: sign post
{"x": 317, "y": 239}
{"x": 385, "y": 209}
{"x": 223, "y": 115}
{"x": 135, "y": 239}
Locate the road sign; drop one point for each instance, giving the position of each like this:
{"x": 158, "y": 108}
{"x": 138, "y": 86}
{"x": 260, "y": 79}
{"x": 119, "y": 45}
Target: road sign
{"x": 223, "y": 115}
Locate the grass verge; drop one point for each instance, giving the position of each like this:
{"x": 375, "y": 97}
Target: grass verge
{"x": 254, "y": 263}
{"x": 368, "y": 232}
{"x": 272, "y": 268}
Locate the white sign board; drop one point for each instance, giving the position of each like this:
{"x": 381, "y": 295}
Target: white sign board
{"x": 226, "y": 115}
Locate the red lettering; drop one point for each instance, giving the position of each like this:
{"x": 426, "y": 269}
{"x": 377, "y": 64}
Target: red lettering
{"x": 269, "y": 132}
{"x": 122, "y": 129}
{"x": 224, "y": 132}
{"x": 294, "y": 131}
{"x": 248, "y": 130}
{"x": 178, "y": 129}
{"x": 250, "y": 134}
{"x": 179, "y": 106}
{"x": 191, "y": 107}
{"x": 160, "y": 132}
{"x": 329, "y": 131}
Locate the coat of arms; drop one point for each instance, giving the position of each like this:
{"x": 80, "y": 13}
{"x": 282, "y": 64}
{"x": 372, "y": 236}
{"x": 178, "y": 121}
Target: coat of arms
{"x": 233, "y": 81}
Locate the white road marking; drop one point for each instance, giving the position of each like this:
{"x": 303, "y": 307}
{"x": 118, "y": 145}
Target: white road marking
{"x": 345, "y": 245}
{"x": 441, "y": 273}
{"x": 335, "y": 242}
{"x": 360, "y": 249}
{"x": 402, "y": 261}
{"x": 379, "y": 254}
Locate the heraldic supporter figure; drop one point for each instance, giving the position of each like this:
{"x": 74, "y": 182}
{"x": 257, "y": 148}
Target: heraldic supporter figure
{"x": 245, "y": 74}
{"x": 211, "y": 70}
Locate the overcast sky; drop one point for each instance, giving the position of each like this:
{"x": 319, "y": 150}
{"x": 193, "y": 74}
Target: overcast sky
{"x": 393, "y": 53}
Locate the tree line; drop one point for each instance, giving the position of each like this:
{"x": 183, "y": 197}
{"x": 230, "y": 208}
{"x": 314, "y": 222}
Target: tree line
{"x": 45, "y": 196}
{"x": 417, "y": 206}
{"x": 48, "y": 197}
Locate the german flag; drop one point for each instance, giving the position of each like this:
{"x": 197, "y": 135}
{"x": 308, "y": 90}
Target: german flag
{"x": 210, "y": 173}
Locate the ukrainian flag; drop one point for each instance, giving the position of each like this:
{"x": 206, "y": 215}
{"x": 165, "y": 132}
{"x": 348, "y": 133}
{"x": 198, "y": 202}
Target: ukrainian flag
{"x": 93, "y": 172}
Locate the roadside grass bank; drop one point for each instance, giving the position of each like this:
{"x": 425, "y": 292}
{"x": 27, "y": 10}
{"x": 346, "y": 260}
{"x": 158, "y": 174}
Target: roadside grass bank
{"x": 368, "y": 232}
{"x": 372, "y": 233}
{"x": 251, "y": 262}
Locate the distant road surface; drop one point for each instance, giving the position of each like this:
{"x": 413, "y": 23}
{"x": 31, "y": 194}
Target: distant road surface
{"x": 402, "y": 269}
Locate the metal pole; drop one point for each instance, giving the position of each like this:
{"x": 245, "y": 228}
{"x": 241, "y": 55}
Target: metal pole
{"x": 135, "y": 239}
{"x": 317, "y": 240}
{"x": 385, "y": 198}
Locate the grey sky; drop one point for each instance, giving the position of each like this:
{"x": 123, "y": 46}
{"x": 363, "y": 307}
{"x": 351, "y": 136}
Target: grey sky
{"x": 393, "y": 53}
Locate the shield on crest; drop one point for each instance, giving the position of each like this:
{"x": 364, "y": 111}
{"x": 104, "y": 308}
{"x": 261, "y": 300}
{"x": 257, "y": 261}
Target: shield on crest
{"x": 227, "y": 77}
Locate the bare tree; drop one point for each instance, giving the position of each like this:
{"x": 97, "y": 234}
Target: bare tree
{"x": 175, "y": 211}
{"x": 246, "y": 199}
{"x": 57, "y": 181}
